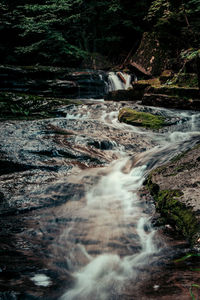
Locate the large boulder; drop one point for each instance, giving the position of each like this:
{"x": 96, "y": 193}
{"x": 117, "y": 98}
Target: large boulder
{"x": 143, "y": 119}
{"x": 150, "y": 59}
{"x": 175, "y": 188}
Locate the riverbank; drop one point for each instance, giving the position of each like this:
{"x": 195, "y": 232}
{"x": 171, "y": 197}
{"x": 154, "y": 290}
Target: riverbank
{"x": 177, "y": 91}
{"x": 175, "y": 188}
{"x": 70, "y": 199}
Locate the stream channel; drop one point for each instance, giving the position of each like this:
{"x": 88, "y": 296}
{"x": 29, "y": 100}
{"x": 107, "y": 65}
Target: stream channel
{"x": 76, "y": 221}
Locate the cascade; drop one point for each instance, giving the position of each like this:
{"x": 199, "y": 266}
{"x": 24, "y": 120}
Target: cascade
{"x": 119, "y": 81}
{"x": 86, "y": 231}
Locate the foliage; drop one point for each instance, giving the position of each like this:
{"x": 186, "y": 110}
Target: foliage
{"x": 67, "y": 31}
{"x": 177, "y": 19}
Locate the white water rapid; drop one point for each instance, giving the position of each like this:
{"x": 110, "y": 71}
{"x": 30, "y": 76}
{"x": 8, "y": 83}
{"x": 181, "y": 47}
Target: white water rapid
{"x": 116, "y": 82}
{"x": 119, "y": 240}
{"x": 115, "y": 214}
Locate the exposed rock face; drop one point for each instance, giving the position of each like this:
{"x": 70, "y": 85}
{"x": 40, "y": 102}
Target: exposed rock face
{"x": 151, "y": 58}
{"x": 172, "y": 97}
{"x": 176, "y": 190}
{"x": 136, "y": 93}
{"x": 152, "y": 93}
{"x": 167, "y": 101}
{"x": 50, "y": 81}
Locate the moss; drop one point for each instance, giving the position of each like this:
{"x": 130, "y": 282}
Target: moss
{"x": 152, "y": 82}
{"x": 147, "y": 120}
{"x": 26, "y": 106}
{"x": 181, "y": 155}
{"x": 173, "y": 90}
{"x": 184, "y": 80}
{"x": 174, "y": 211}
{"x": 166, "y": 76}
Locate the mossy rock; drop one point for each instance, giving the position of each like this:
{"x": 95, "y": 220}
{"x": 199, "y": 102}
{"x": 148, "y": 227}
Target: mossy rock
{"x": 166, "y": 75}
{"x": 169, "y": 101}
{"x": 174, "y": 211}
{"x": 135, "y": 118}
{"x": 19, "y": 106}
{"x": 155, "y": 82}
{"x": 183, "y": 92}
{"x": 185, "y": 80}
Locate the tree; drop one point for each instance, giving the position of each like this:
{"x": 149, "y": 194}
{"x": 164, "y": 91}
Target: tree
{"x": 48, "y": 31}
{"x": 67, "y": 31}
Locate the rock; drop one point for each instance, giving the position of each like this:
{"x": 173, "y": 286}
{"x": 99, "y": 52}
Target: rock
{"x": 50, "y": 81}
{"x": 166, "y": 75}
{"x": 185, "y": 80}
{"x": 168, "y": 101}
{"x": 180, "y": 97}
{"x": 150, "y": 57}
{"x": 26, "y": 106}
{"x": 176, "y": 191}
{"x": 136, "y": 93}
{"x": 103, "y": 145}
{"x": 185, "y": 92}
{"x": 139, "y": 69}
{"x": 135, "y": 118}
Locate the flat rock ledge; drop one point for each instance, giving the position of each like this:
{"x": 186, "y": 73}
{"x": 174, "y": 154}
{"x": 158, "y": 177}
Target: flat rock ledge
{"x": 167, "y": 101}
{"x": 175, "y": 188}
{"x": 152, "y": 93}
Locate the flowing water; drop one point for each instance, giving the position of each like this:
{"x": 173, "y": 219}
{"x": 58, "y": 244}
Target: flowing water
{"x": 116, "y": 84}
{"x": 95, "y": 239}
{"x": 117, "y": 241}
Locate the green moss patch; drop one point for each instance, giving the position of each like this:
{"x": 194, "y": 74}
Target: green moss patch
{"x": 150, "y": 82}
{"x": 172, "y": 90}
{"x": 25, "y": 106}
{"x": 185, "y": 80}
{"x": 135, "y": 118}
{"x": 174, "y": 211}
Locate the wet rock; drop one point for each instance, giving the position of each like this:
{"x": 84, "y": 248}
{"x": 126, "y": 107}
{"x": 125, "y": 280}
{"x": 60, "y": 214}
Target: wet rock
{"x": 7, "y": 167}
{"x": 133, "y": 94}
{"x": 175, "y": 91}
{"x": 8, "y": 296}
{"x": 103, "y": 145}
{"x": 57, "y": 82}
{"x": 135, "y": 118}
{"x": 25, "y": 106}
{"x": 177, "y": 193}
{"x": 44, "y": 213}
{"x": 167, "y": 101}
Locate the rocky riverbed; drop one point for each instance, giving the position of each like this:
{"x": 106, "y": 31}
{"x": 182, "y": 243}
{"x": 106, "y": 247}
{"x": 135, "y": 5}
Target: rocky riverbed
{"x": 72, "y": 201}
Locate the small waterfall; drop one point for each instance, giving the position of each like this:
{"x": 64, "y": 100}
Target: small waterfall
{"x": 119, "y": 81}
{"x": 116, "y": 192}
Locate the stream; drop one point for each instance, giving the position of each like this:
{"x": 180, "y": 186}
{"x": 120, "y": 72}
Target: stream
{"x": 76, "y": 221}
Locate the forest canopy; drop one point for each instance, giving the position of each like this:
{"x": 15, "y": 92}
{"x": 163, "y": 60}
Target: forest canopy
{"x": 67, "y": 32}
